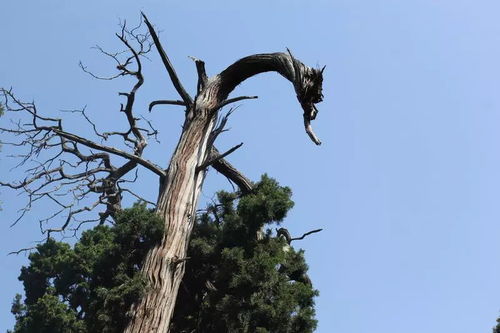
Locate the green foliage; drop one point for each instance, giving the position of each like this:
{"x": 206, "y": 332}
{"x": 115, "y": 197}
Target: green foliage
{"x": 48, "y": 314}
{"x": 496, "y": 329}
{"x": 90, "y": 287}
{"x": 238, "y": 278}
{"x": 237, "y": 281}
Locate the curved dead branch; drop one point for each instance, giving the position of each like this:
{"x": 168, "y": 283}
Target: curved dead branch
{"x": 165, "y": 102}
{"x": 307, "y": 81}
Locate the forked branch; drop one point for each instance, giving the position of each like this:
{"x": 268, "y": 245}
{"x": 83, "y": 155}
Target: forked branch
{"x": 168, "y": 65}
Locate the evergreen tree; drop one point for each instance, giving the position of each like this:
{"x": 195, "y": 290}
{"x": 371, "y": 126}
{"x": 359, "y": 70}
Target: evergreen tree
{"x": 87, "y": 288}
{"x": 239, "y": 278}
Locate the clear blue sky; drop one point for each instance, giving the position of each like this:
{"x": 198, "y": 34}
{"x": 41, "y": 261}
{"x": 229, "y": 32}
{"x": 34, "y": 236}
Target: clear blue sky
{"x": 406, "y": 184}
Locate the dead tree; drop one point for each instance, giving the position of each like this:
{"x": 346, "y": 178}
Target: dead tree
{"x": 180, "y": 182}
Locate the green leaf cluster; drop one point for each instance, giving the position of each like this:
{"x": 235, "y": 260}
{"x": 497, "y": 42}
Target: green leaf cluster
{"x": 496, "y": 329}
{"x": 87, "y": 288}
{"x": 240, "y": 278}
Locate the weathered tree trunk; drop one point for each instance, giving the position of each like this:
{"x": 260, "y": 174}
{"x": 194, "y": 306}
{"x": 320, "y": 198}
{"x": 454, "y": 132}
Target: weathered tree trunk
{"x": 164, "y": 265}
{"x": 179, "y": 192}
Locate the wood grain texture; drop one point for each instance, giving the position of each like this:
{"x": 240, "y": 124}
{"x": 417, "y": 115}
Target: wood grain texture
{"x": 180, "y": 190}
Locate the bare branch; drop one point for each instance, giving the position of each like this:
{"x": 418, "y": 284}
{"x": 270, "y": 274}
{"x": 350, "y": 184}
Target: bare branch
{"x": 306, "y": 234}
{"x": 95, "y": 76}
{"x": 168, "y": 65}
{"x": 152, "y": 132}
{"x": 87, "y": 118}
{"x": 80, "y": 173}
{"x": 145, "y": 163}
{"x": 286, "y": 234}
{"x": 28, "y": 249}
{"x": 160, "y": 102}
{"x": 70, "y": 217}
{"x": 228, "y": 170}
{"x": 82, "y": 222}
{"x": 213, "y": 159}
{"x": 139, "y": 197}
{"x": 220, "y": 127}
{"x": 234, "y": 100}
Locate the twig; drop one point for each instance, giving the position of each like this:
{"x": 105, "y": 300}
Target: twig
{"x": 286, "y": 234}
{"x": 306, "y": 234}
{"x": 80, "y": 173}
{"x": 234, "y": 100}
{"x": 22, "y": 250}
{"x": 160, "y": 102}
{"x": 213, "y": 159}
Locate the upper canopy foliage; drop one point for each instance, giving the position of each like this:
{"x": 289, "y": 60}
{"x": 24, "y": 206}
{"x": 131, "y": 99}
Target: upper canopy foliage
{"x": 238, "y": 278}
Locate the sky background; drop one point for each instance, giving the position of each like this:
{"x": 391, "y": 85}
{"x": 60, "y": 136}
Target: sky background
{"x": 406, "y": 184}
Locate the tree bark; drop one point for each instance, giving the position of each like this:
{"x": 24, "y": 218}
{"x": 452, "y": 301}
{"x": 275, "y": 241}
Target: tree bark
{"x": 177, "y": 201}
{"x": 179, "y": 192}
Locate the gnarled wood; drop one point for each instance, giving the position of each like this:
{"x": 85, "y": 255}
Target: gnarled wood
{"x": 177, "y": 205}
{"x": 180, "y": 191}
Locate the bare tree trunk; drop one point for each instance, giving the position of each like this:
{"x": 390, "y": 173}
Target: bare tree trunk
{"x": 164, "y": 265}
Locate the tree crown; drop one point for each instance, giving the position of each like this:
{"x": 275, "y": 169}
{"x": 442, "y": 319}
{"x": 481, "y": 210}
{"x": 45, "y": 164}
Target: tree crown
{"x": 238, "y": 277}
